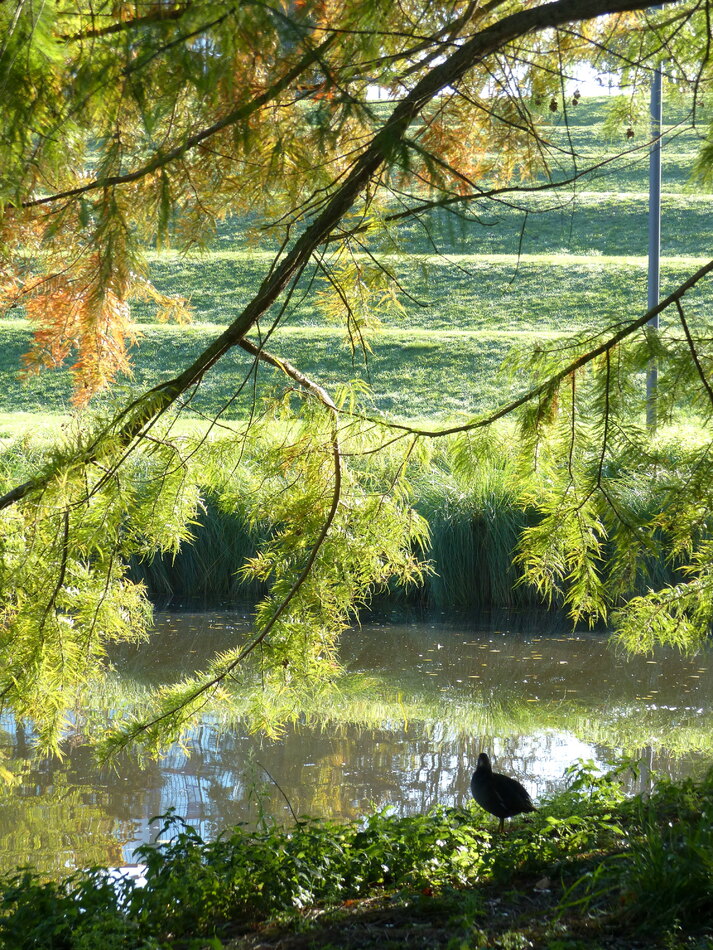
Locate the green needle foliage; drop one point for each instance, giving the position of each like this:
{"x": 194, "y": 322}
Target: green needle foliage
{"x": 333, "y": 534}
{"x": 464, "y": 512}
{"x": 129, "y": 130}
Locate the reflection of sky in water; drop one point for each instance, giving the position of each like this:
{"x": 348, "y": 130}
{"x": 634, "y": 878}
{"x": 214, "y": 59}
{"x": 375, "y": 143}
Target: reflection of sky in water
{"x": 536, "y": 702}
{"x": 553, "y": 753}
{"x": 407, "y": 778}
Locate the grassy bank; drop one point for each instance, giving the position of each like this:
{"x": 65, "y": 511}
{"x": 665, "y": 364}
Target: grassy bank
{"x": 438, "y": 360}
{"x": 473, "y": 287}
{"x": 590, "y": 870}
{"x": 552, "y": 290}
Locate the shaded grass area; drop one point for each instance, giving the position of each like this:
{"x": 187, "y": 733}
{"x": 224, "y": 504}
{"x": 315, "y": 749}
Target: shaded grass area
{"x": 611, "y": 223}
{"x": 459, "y": 290}
{"x": 412, "y": 373}
{"x": 207, "y": 567}
{"x": 590, "y": 870}
{"x": 475, "y": 511}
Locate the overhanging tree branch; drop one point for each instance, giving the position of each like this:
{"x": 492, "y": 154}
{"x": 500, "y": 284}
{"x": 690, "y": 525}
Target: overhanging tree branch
{"x": 694, "y": 352}
{"x": 237, "y": 115}
{"x": 289, "y": 370}
{"x": 213, "y": 681}
{"x": 383, "y": 147}
{"x": 161, "y": 15}
{"x": 581, "y": 361}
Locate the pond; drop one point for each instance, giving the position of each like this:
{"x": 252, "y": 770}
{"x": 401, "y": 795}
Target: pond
{"x": 404, "y": 730}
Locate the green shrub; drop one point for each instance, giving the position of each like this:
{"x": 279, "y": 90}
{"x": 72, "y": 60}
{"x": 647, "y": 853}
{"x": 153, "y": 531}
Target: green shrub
{"x": 640, "y": 864}
{"x": 669, "y": 875}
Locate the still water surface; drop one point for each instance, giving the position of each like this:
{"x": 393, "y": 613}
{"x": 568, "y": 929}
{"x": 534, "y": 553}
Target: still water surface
{"x": 534, "y": 697}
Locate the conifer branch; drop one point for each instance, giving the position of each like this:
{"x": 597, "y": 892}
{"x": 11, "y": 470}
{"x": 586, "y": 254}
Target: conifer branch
{"x": 289, "y": 370}
{"x": 64, "y": 548}
{"x": 694, "y": 352}
{"x": 210, "y": 684}
{"x": 160, "y": 161}
{"x": 160, "y": 15}
{"x": 385, "y": 144}
{"x": 553, "y": 381}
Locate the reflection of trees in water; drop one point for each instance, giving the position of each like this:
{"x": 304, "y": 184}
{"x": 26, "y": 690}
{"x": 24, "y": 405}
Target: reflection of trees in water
{"x": 51, "y": 821}
{"x": 76, "y": 814}
{"x": 406, "y": 736}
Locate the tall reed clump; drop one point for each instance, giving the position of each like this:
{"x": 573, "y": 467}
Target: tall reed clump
{"x": 479, "y": 500}
{"x": 475, "y": 526}
{"x": 207, "y": 567}
{"x": 470, "y": 493}
{"x": 475, "y": 519}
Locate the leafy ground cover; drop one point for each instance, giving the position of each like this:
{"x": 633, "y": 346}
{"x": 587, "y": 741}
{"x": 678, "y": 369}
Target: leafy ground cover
{"x": 590, "y": 870}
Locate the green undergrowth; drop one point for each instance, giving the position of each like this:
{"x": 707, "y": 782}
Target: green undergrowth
{"x": 476, "y": 513}
{"x": 591, "y": 869}
{"x": 476, "y": 518}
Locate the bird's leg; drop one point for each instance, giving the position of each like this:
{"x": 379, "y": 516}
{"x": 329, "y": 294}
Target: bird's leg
{"x": 501, "y": 829}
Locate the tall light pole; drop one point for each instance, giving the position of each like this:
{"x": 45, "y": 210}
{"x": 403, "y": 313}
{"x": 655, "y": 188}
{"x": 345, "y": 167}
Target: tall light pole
{"x": 654, "y": 238}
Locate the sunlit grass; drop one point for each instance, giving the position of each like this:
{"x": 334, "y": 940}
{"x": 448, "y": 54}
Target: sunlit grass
{"x": 579, "y": 263}
{"x": 31, "y": 425}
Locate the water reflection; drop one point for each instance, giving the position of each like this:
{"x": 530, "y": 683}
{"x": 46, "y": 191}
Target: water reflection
{"x": 436, "y": 695}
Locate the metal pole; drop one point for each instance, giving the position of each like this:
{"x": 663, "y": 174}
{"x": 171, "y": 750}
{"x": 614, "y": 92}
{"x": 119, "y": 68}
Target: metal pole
{"x": 654, "y": 239}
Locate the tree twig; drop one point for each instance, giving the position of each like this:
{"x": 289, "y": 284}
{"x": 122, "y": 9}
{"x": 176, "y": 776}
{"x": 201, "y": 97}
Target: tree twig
{"x": 128, "y": 424}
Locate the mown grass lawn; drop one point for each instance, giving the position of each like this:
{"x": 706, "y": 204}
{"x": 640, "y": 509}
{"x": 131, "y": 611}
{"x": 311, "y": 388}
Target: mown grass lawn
{"x": 451, "y": 291}
{"x": 472, "y": 288}
{"x": 438, "y": 358}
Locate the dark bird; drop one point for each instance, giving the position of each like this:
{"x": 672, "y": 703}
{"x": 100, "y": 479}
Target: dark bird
{"x": 498, "y": 794}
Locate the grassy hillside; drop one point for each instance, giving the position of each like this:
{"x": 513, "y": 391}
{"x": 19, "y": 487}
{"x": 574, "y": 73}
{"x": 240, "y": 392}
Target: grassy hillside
{"x": 439, "y": 358}
{"x": 560, "y": 261}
